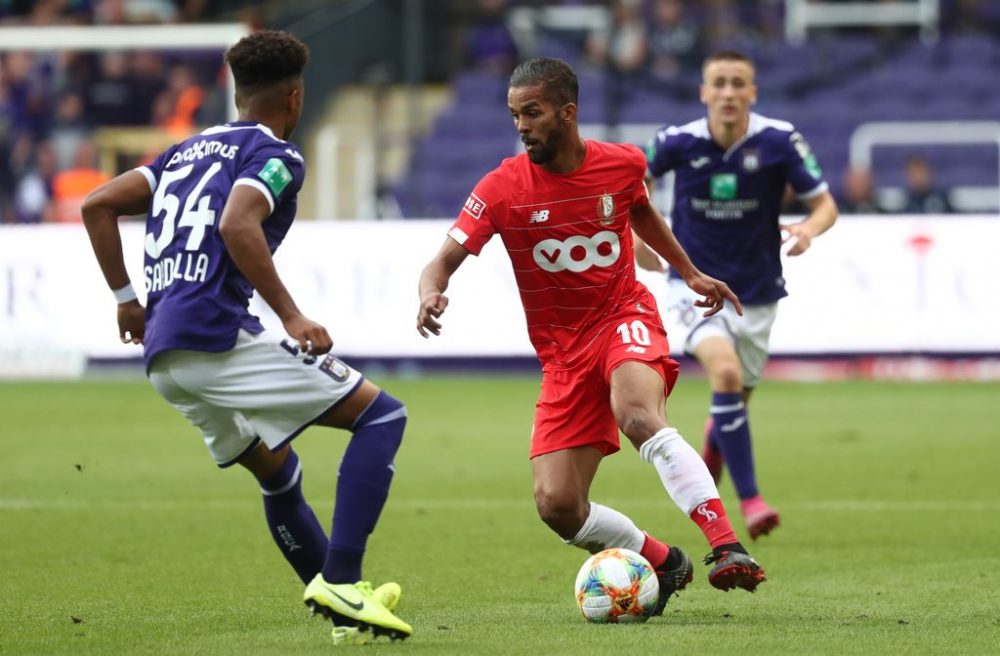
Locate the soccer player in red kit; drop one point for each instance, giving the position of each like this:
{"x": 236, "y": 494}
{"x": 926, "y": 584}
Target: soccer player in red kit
{"x": 565, "y": 210}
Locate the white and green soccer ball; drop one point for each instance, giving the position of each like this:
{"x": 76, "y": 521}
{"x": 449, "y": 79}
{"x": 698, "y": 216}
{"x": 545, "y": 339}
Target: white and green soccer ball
{"x": 617, "y": 586}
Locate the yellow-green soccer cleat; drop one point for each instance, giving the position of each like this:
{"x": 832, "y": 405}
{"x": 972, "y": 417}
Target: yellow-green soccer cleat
{"x": 358, "y": 614}
{"x": 388, "y": 595}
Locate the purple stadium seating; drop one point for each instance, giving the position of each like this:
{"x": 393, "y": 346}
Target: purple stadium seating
{"x": 826, "y": 89}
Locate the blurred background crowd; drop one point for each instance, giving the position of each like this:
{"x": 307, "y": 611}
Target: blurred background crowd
{"x": 71, "y": 119}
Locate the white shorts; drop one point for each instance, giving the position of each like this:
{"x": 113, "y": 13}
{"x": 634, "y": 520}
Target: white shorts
{"x": 749, "y": 334}
{"x": 261, "y": 390}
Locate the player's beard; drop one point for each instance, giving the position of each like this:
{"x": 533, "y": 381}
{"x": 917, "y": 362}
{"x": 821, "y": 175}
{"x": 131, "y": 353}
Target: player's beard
{"x": 545, "y": 151}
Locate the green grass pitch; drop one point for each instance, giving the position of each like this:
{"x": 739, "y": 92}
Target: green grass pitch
{"x": 120, "y": 537}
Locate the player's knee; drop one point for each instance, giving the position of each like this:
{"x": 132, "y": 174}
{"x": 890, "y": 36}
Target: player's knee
{"x": 264, "y": 463}
{"x": 564, "y": 512}
{"x": 727, "y": 377}
{"x": 385, "y": 417}
{"x": 384, "y": 408}
{"x": 638, "y": 423}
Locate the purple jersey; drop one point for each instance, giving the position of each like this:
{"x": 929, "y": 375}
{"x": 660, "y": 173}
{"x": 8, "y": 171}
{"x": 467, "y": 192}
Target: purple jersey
{"x": 197, "y": 298}
{"x": 727, "y": 202}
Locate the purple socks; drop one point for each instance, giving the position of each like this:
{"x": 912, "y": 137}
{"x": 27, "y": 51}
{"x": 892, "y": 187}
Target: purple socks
{"x": 292, "y": 522}
{"x": 363, "y": 486}
{"x": 731, "y": 434}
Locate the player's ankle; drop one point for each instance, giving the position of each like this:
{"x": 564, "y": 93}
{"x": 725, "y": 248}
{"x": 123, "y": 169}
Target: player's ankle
{"x": 729, "y": 547}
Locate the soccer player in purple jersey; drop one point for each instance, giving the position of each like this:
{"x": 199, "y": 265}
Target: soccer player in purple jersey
{"x": 731, "y": 169}
{"x": 219, "y": 204}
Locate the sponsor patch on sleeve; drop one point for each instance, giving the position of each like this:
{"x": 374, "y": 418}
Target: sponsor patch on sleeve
{"x": 474, "y": 206}
{"x": 651, "y": 150}
{"x": 275, "y": 175}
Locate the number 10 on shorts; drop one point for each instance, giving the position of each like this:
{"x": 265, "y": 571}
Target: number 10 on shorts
{"x": 635, "y": 332}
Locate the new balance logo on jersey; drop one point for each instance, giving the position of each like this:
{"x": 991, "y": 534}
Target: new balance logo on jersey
{"x": 700, "y": 162}
{"x": 539, "y": 216}
{"x": 636, "y": 349}
{"x": 578, "y": 253}
{"x": 733, "y": 425}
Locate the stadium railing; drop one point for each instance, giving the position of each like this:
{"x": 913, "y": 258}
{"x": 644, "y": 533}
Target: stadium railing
{"x": 800, "y": 15}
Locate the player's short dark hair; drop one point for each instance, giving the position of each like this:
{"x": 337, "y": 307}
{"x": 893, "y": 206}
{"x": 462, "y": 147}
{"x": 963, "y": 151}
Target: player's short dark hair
{"x": 554, "y": 75}
{"x": 727, "y": 55}
{"x": 266, "y": 57}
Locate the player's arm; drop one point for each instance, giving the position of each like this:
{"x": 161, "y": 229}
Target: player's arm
{"x": 126, "y": 195}
{"x": 822, "y": 215}
{"x": 651, "y": 227}
{"x": 433, "y": 283}
{"x": 241, "y": 229}
{"x": 644, "y": 255}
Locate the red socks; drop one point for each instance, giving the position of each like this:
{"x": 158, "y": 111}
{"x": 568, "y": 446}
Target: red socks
{"x": 654, "y": 551}
{"x": 710, "y": 517}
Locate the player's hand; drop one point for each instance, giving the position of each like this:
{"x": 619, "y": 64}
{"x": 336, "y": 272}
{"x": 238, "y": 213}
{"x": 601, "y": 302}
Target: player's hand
{"x": 311, "y": 336}
{"x": 798, "y": 237}
{"x": 715, "y": 293}
{"x": 432, "y": 306}
{"x": 131, "y": 322}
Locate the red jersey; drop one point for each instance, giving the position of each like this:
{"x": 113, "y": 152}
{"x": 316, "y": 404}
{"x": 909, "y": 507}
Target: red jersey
{"x": 569, "y": 239}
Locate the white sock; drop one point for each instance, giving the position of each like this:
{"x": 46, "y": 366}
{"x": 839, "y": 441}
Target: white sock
{"x": 606, "y": 528}
{"x": 681, "y": 469}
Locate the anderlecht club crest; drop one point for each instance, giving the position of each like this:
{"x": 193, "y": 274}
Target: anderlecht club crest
{"x": 751, "y": 161}
{"x": 606, "y": 209}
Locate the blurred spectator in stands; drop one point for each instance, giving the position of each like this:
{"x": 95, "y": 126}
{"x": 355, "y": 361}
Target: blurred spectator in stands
{"x": 44, "y": 12}
{"x": 148, "y": 76}
{"x": 215, "y": 106}
{"x": 674, "y": 44}
{"x": 7, "y": 132}
{"x": 621, "y": 49}
{"x": 490, "y": 47}
{"x": 28, "y": 84}
{"x": 622, "y": 45}
{"x": 722, "y": 22}
{"x": 971, "y": 17}
{"x": 70, "y": 126}
{"x": 770, "y": 19}
{"x": 858, "y": 192}
{"x": 135, "y": 12}
{"x": 176, "y": 106}
{"x": 33, "y": 197}
{"x": 114, "y": 99}
{"x": 71, "y": 186}
{"x": 922, "y": 197}
{"x": 109, "y": 12}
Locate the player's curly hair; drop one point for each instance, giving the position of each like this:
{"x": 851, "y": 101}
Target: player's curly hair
{"x": 555, "y": 76}
{"x": 266, "y": 57}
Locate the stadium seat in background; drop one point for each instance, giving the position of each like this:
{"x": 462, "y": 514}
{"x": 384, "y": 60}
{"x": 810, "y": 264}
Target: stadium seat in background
{"x": 827, "y": 87}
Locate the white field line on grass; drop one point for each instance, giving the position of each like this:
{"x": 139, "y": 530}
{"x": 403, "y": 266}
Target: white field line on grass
{"x": 841, "y": 505}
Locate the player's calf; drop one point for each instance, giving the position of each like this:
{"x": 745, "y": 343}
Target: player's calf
{"x": 711, "y": 454}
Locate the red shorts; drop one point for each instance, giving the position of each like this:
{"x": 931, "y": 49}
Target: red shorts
{"x": 574, "y": 407}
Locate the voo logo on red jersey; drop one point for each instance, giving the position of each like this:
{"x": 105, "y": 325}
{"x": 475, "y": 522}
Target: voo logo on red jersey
{"x": 578, "y": 253}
